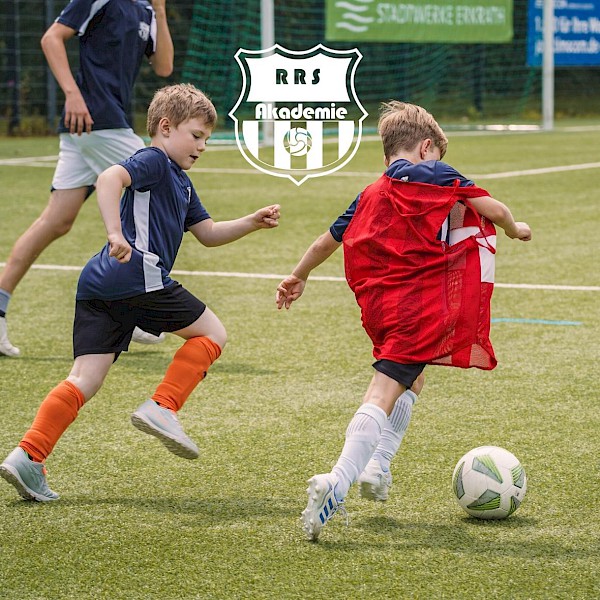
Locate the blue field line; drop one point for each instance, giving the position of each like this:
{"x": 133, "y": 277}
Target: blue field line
{"x": 535, "y": 321}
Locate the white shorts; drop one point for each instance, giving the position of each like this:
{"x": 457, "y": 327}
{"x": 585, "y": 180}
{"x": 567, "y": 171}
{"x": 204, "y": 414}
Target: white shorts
{"x": 81, "y": 158}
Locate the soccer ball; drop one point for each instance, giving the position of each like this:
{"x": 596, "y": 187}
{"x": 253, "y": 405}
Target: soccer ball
{"x": 297, "y": 141}
{"x": 489, "y": 483}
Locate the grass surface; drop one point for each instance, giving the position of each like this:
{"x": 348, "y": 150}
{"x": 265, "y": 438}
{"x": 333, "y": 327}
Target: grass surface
{"x": 135, "y": 522}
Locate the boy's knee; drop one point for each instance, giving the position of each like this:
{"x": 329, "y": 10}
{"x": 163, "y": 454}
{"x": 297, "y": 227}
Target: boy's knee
{"x": 219, "y": 337}
{"x": 62, "y": 226}
{"x": 89, "y": 384}
{"x": 56, "y": 227}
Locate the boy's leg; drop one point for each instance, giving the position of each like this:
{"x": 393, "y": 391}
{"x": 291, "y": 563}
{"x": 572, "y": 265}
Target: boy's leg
{"x": 55, "y": 221}
{"x": 157, "y": 416}
{"x": 187, "y": 369}
{"x": 376, "y": 480}
{"x": 24, "y": 467}
{"x": 327, "y": 492}
{"x": 6, "y": 348}
{"x": 365, "y": 428}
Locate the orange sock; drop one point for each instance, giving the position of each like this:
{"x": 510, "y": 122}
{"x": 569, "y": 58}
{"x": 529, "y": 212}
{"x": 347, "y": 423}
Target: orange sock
{"x": 58, "y": 410}
{"x": 186, "y": 371}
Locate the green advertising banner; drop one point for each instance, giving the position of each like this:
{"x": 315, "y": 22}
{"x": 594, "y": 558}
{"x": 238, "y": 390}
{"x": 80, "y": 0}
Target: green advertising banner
{"x": 450, "y": 21}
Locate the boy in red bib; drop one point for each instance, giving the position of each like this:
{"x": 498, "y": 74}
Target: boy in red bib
{"x": 419, "y": 247}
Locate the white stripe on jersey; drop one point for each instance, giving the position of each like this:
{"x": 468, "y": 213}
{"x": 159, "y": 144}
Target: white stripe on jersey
{"x": 96, "y": 6}
{"x": 486, "y": 258}
{"x": 153, "y": 29}
{"x": 141, "y": 218}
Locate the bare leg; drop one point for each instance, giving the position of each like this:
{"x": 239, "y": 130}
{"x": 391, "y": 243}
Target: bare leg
{"x": 205, "y": 338}
{"x": 89, "y": 371}
{"x": 208, "y": 325}
{"x": 56, "y": 220}
{"x": 383, "y": 391}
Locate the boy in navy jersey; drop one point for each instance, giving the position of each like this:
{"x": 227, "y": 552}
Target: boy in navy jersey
{"x": 127, "y": 284}
{"x": 96, "y": 125}
{"x": 418, "y": 253}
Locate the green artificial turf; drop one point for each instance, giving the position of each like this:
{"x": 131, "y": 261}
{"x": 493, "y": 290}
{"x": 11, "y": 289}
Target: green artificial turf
{"x": 136, "y": 522}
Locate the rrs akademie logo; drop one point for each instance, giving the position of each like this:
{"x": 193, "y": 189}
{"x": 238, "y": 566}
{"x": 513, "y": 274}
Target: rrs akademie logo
{"x": 307, "y": 100}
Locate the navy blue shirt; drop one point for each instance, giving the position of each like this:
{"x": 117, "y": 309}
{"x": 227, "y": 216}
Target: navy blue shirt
{"x": 434, "y": 172}
{"x": 156, "y": 210}
{"x": 114, "y": 37}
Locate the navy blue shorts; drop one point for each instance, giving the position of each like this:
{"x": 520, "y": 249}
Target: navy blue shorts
{"x": 403, "y": 374}
{"x": 106, "y": 326}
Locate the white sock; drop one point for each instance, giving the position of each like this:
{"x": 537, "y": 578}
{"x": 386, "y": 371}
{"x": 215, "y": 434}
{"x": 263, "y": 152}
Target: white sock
{"x": 4, "y": 299}
{"x": 394, "y": 430}
{"x": 362, "y": 436}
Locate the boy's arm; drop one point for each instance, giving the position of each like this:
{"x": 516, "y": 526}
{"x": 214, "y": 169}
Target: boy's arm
{"x": 53, "y": 42}
{"x": 292, "y": 286}
{"x": 499, "y": 214}
{"x": 211, "y": 233}
{"x": 162, "y": 59}
{"x": 109, "y": 187}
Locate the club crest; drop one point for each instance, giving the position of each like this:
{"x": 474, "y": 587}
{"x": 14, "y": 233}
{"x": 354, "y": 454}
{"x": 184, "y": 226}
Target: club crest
{"x": 305, "y": 101}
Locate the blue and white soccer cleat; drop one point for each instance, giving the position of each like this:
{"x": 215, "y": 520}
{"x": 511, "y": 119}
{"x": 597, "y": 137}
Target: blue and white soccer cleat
{"x": 375, "y": 483}
{"x": 163, "y": 424}
{"x": 28, "y": 477}
{"x": 322, "y": 505}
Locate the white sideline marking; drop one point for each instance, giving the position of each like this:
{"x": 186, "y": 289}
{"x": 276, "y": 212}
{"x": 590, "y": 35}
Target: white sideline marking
{"x": 49, "y": 161}
{"x": 523, "y": 286}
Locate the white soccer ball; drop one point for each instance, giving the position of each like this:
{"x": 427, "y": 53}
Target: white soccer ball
{"x": 297, "y": 141}
{"x": 489, "y": 482}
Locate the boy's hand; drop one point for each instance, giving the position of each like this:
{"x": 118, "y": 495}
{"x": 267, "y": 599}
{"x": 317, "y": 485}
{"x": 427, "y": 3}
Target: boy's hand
{"x": 288, "y": 290}
{"x": 267, "y": 217}
{"x": 119, "y": 248}
{"x": 77, "y": 116}
{"x": 522, "y": 232}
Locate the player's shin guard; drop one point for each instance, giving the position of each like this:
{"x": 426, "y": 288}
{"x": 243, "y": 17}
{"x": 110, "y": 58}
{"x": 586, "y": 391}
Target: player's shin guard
{"x": 58, "y": 410}
{"x": 362, "y": 437}
{"x": 187, "y": 369}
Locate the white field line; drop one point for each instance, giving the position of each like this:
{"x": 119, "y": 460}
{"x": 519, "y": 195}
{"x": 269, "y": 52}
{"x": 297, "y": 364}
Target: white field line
{"x": 521, "y": 286}
{"x": 49, "y": 161}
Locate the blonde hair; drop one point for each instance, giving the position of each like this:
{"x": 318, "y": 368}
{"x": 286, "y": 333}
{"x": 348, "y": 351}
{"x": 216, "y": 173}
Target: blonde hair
{"x": 179, "y": 103}
{"x": 402, "y": 126}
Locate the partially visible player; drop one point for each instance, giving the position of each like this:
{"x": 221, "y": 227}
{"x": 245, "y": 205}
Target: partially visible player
{"x": 127, "y": 284}
{"x": 418, "y": 254}
{"x": 96, "y": 125}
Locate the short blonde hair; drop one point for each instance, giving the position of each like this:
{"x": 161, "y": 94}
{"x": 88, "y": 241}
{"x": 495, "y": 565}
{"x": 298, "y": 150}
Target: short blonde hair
{"x": 402, "y": 126}
{"x": 179, "y": 103}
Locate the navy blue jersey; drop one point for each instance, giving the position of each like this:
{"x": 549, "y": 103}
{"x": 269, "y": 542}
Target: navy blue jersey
{"x": 156, "y": 210}
{"x": 434, "y": 172}
{"x": 114, "y": 37}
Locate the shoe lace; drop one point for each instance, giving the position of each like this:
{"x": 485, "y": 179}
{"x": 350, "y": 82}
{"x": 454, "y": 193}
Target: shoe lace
{"x": 341, "y": 510}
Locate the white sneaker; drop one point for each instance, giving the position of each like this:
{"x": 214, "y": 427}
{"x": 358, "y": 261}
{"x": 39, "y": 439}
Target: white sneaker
{"x": 374, "y": 482}
{"x": 322, "y": 505}
{"x": 6, "y": 347}
{"x": 28, "y": 477}
{"x": 143, "y": 337}
{"x": 163, "y": 424}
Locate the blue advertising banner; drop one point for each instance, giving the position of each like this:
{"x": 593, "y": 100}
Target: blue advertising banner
{"x": 576, "y": 33}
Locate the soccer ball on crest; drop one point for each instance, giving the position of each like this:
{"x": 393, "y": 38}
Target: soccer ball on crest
{"x": 489, "y": 483}
{"x": 297, "y": 141}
